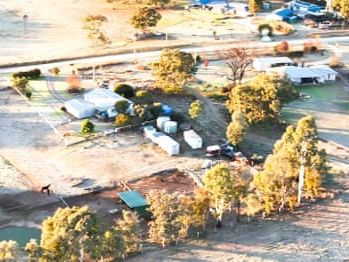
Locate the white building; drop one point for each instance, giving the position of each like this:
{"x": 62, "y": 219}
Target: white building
{"x": 326, "y": 72}
{"x": 79, "y": 108}
{"x": 263, "y": 63}
{"x": 192, "y": 139}
{"x": 103, "y": 99}
{"x": 169, "y": 145}
{"x": 299, "y": 75}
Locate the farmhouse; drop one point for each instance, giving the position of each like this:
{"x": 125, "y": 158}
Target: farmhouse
{"x": 79, "y": 108}
{"x": 326, "y": 72}
{"x": 103, "y": 99}
{"x": 299, "y": 75}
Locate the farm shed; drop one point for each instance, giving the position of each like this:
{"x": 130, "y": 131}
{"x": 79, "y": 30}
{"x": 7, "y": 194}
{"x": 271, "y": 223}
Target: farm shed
{"x": 327, "y": 73}
{"x": 263, "y": 63}
{"x": 192, "y": 139}
{"x": 79, "y": 108}
{"x": 299, "y": 75}
{"x": 104, "y": 98}
{"x": 169, "y": 145}
{"x": 135, "y": 201}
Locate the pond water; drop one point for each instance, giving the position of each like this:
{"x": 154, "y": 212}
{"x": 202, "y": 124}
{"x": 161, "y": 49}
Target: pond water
{"x": 21, "y": 235}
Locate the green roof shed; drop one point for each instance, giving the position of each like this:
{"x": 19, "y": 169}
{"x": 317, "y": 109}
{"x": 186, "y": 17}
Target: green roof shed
{"x": 134, "y": 200}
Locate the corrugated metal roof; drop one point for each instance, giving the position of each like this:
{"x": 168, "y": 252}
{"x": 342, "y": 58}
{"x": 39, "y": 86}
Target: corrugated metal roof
{"x": 133, "y": 199}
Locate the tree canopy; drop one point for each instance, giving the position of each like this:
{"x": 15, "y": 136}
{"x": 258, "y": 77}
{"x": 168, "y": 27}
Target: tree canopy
{"x": 277, "y": 184}
{"x": 173, "y": 69}
{"x": 261, "y": 98}
{"x": 237, "y": 59}
{"x": 69, "y": 233}
{"x": 218, "y": 182}
{"x": 93, "y": 25}
{"x": 144, "y": 18}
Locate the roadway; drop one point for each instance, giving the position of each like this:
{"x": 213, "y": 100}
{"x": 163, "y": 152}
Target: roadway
{"x": 151, "y": 55}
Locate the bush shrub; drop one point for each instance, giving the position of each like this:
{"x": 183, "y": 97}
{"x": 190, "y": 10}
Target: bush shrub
{"x": 87, "y": 127}
{"x": 55, "y": 71}
{"x": 75, "y": 90}
{"x": 63, "y": 108}
{"x": 31, "y": 74}
{"x": 20, "y": 83}
{"x": 155, "y": 109}
{"x": 122, "y": 119}
{"x": 28, "y": 93}
{"x": 281, "y": 47}
{"x": 121, "y": 106}
{"x": 263, "y": 27}
{"x": 124, "y": 90}
{"x": 178, "y": 117}
{"x": 140, "y": 111}
{"x": 142, "y": 93}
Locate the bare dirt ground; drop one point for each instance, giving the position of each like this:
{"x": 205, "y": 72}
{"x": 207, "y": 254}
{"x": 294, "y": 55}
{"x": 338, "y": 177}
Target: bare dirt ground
{"x": 316, "y": 232}
{"x": 54, "y": 29}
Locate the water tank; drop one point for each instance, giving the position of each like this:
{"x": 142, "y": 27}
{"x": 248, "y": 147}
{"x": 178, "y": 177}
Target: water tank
{"x": 170, "y": 127}
{"x": 160, "y": 122}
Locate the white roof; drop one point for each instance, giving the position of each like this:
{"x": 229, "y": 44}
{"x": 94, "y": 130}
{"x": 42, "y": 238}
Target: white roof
{"x": 323, "y": 70}
{"x": 103, "y": 98}
{"x": 295, "y": 72}
{"x": 191, "y": 134}
{"x": 273, "y": 59}
{"x": 79, "y": 108}
{"x": 79, "y": 104}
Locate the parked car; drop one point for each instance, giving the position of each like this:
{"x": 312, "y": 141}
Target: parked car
{"x": 226, "y": 149}
{"x": 106, "y": 115}
{"x": 325, "y": 25}
{"x": 103, "y": 83}
{"x": 318, "y": 18}
{"x": 213, "y": 151}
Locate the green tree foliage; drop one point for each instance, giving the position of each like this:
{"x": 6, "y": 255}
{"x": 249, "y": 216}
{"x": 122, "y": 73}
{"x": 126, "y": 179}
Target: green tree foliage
{"x": 236, "y": 130}
{"x": 285, "y": 89}
{"x": 173, "y": 69}
{"x": 164, "y": 209}
{"x": 156, "y": 3}
{"x": 124, "y": 90}
{"x": 8, "y": 251}
{"x": 342, "y": 6}
{"x": 122, "y": 120}
{"x": 21, "y": 83}
{"x": 254, "y": 6}
{"x": 267, "y": 27}
{"x": 278, "y": 183}
{"x": 195, "y": 109}
{"x": 33, "y": 250}
{"x": 70, "y": 233}
{"x": 93, "y": 25}
{"x": 87, "y": 127}
{"x": 144, "y": 18}
{"x": 129, "y": 226}
{"x": 31, "y": 74}
{"x": 218, "y": 182}
{"x": 240, "y": 188}
{"x": 257, "y": 101}
{"x": 253, "y": 205}
{"x": 122, "y": 106}
{"x": 113, "y": 245}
